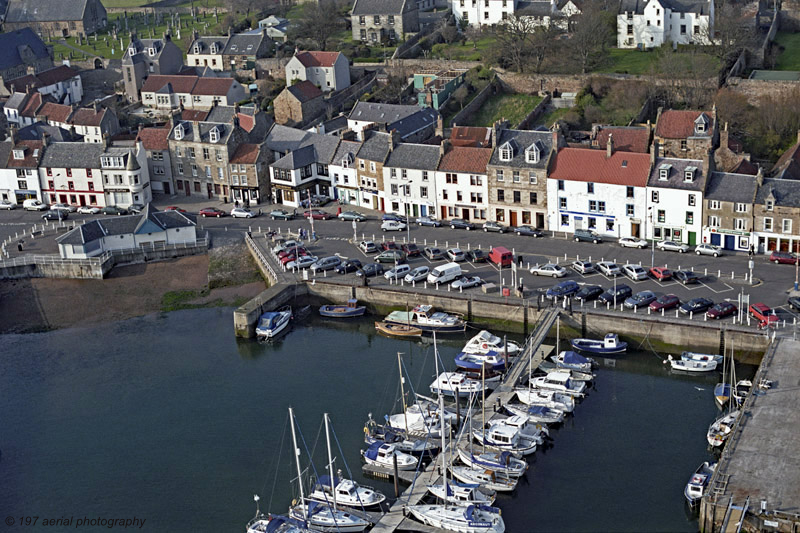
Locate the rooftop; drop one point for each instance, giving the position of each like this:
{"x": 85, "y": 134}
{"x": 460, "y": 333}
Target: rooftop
{"x": 466, "y": 159}
{"x": 585, "y": 164}
{"x": 318, "y": 59}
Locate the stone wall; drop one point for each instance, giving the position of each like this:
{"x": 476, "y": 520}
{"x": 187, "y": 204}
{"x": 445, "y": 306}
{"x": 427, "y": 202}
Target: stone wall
{"x": 537, "y": 83}
{"x": 245, "y": 318}
{"x": 272, "y": 66}
{"x": 528, "y": 121}
{"x": 462, "y": 116}
{"x": 754, "y": 90}
{"x": 54, "y": 267}
{"x": 343, "y": 100}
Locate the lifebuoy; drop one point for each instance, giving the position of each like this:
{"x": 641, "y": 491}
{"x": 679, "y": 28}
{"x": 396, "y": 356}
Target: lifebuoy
{"x": 484, "y": 346}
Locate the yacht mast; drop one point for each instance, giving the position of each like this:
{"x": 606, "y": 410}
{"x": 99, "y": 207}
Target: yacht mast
{"x": 330, "y": 459}
{"x": 402, "y": 392}
{"x": 297, "y": 462}
{"x": 444, "y": 449}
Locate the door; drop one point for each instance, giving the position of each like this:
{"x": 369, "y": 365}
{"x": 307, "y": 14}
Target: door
{"x": 730, "y": 242}
{"x": 416, "y": 210}
{"x": 692, "y": 238}
{"x": 715, "y": 239}
{"x": 465, "y": 214}
{"x": 83, "y": 200}
{"x": 423, "y": 210}
{"x": 278, "y": 196}
{"x": 209, "y": 190}
{"x": 513, "y": 217}
{"x": 186, "y": 187}
{"x": 540, "y": 220}
{"x": 62, "y": 198}
{"x": 635, "y": 230}
{"x": 166, "y": 188}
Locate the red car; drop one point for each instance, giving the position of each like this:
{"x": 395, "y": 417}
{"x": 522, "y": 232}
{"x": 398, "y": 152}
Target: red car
{"x": 661, "y": 273}
{"x": 175, "y": 208}
{"x": 721, "y": 310}
{"x": 412, "y": 250}
{"x": 390, "y": 245}
{"x": 317, "y": 214}
{"x": 291, "y": 257}
{"x": 291, "y": 251}
{"x": 784, "y": 258}
{"x": 665, "y": 302}
{"x": 212, "y": 212}
{"x": 764, "y": 314}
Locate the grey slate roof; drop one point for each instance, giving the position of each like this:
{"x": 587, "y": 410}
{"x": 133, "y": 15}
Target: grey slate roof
{"x": 378, "y": 7}
{"x": 16, "y": 101}
{"x": 675, "y": 175}
{"x": 225, "y": 131}
{"x": 282, "y": 139}
{"x": 35, "y": 131}
{"x": 206, "y": 42}
{"x": 346, "y": 148}
{"x": 221, "y": 113}
{"x": 416, "y": 156}
{"x": 149, "y": 221}
{"x": 11, "y": 43}
{"x": 728, "y": 187}
{"x": 5, "y": 152}
{"x": 72, "y": 155}
{"x": 521, "y": 140}
{"x": 375, "y": 148}
{"x": 406, "y": 119}
{"x": 238, "y": 44}
{"x": 335, "y": 124}
{"x": 784, "y": 192}
{"x": 44, "y": 10}
{"x": 684, "y": 6}
{"x": 299, "y": 158}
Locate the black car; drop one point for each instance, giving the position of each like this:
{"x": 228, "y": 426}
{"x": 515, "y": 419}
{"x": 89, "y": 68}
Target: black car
{"x": 460, "y": 223}
{"x": 527, "y": 230}
{"x": 616, "y": 295}
{"x": 351, "y": 265}
{"x": 476, "y": 256}
{"x": 686, "y": 277}
{"x": 589, "y": 293}
{"x": 396, "y": 218}
{"x": 411, "y": 250}
{"x": 57, "y": 214}
{"x": 794, "y": 303}
{"x": 370, "y": 270}
{"x": 113, "y": 210}
{"x": 696, "y": 305}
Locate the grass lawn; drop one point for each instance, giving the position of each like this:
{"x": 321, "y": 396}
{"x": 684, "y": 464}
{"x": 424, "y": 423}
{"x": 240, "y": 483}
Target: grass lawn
{"x": 548, "y": 118}
{"x": 627, "y": 61}
{"x": 139, "y": 3}
{"x": 512, "y": 107}
{"x": 789, "y": 58}
{"x": 463, "y": 52}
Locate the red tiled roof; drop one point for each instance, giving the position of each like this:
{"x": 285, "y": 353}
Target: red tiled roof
{"x": 154, "y": 138}
{"x": 625, "y": 139}
{"x": 465, "y": 159}
{"x": 87, "y": 116}
{"x": 471, "y": 136}
{"x": 745, "y": 167}
{"x": 34, "y": 103}
{"x": 246, "y": 122}
{"x": 55, "y": 112}
{"x": 318, "y": 59}
{"x": 180, "y": 84}
{"x": 304, "y": 91}
{"x": 57, "y": 74}
{"x": 246, "y": 154}
{"x": 29, "y": 161}
{"x": 194, "y": 115}
{"x": 213, "y": 86}
{"x": 674, "y": 124}
{"x": 585, "y": 164}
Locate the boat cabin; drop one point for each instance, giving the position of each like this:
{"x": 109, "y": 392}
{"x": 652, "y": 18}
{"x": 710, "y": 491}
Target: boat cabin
{"x": 611, "y": 340}
{"x": 697, "y": 485}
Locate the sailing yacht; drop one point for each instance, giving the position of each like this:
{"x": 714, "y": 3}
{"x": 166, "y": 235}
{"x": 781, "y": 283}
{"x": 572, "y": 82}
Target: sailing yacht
{"x": 262, "y": 523}
{"x": 721, "y": 429}
{"x": 723, "y": 391}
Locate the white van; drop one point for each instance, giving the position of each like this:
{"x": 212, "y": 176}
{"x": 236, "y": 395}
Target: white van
{"x": 32, "y": 204}
{"x": 444, "y": 273}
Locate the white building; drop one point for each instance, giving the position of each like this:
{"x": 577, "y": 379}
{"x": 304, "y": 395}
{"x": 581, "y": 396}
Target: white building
{"x": 482, "y": 12}
{"x": 409, "y": 180}
{"x": 462, "y": 186}
{"x": 601, "y": 190}
{"x": 651, "y": 23}
{"x": 330, "y": 71}
{"x": 126, "y": 178}
{"x": 675, "y": 200}
{"x": 63, "y": 83}
{"x": 193, "y": 92}
{"x": 343, "y": 173}
{"x": 19, "y": 173}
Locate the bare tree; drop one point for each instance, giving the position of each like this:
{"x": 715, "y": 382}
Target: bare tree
{"x": 512, "y": 45}
{"x": 732, "y": 31}
{"x": 461, "y": 94}
{"x": 590, "y": 36}
{"x": 543, "y": 44}
{"x": 319, "y": 23}
{"x": 474, "y": 34}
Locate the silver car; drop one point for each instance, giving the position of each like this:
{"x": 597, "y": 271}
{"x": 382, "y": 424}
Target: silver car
{"x": 583, "y": 267}
{"x": 418, "y": 274}
{"x": 609, "y": 268}
{"x": 635, "y": 272}
{"x": 632, "y": 242}
{"x": 549, "y": 269}
{"x": 326, "y": 263}
{"x": 708, "y": 249}
{"x": 672, "y": 246}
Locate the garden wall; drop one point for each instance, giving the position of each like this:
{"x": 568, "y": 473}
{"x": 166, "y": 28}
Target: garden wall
{"x": 472, "y": 107}
{"x": 754, "y": 90}
{"x": 534, "y": 115}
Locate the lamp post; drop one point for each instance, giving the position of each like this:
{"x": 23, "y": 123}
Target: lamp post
{"x": 796, "y": 269}
{"x": 652, "y": 237}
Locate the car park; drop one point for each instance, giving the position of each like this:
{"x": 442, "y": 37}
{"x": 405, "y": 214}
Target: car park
{"x": 640, "y": 299}
{"x": 428, "y": 221}
{"x": 635, "y": 272}
{"x": 135, "y": 209}
{"x": 351, "y": 265}
{"x": 286, "y": 245}
{"x": 494, "y": 226}
{"x": 696, "y": 305}
{"x": 411, "y": 250}
{"x": 5, "y": 204}
{"x": 304, "y": 261}
{"x": 389, "y": 245}
{"x": 368, "y": 247}
{"x": 672, "y": 246}
{"x": 352, "y": 216}
{"x": 88, "y": 210}
{"x": 32, "y": 204}
{"x": 175, "y": 208}
{"x": 460, "y": 223}
{"x": 587, "y": 235}
{"x": 783, "y": 258}
{"x": 455, "y": 255}
{"x": 63, "y": 207}
{"x": 564, "y": 288}
{"x": 501, "y": 256}
{"x": 391, "y": 256}
{"x": 281, "y": 214}
{"x": 392, "y": 225}
{"x": 616, "y": 295}
{"x": 211, "y": 212}
{"x": 583, "y": 267}
{"x": 687, "y": 277}
{"x": 794, "y": 303}
{"x": 527, "y": 231}
{"x": 370, "y": 269}
{"x": 661, "y": 273}
{"x": 762, "y": 313}
{"x": 242, "y": 212}
{"x": 466, "y": 282}
{"x": 433, "y": 253}
{"x": 395, "y": 217}
{"x": 113, "y": 210}
{"x": 476, "y": 255}
{"x": 587, "y": 293}
{"x": 398, "y": 272}
{"x": 721, "y": 310}
{"x": 326, "y": 263}
{"x": 317, "y": 214}
{"x": 58, "y": 214}
{"x": 609, "y": 268}
{"x": 418, "y": 274}
{"x": 632, "y": 242}
{"x": 665, "y": 302}
{"x": 708, "y": 249}
{"x": 549, "y": 269}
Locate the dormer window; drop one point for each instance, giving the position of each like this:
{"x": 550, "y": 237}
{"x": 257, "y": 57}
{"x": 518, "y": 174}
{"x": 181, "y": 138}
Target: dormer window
{"x": 701, "y": 124}
{"x": 196, "y": 49}
{"x": 179, "y": 132}
{"x": 532, "y": 154}
{"x": 213, "y": 48}
{"x": 19, "y": 154}
{"x": 770, "y": 204}
{"x": 688, "y": 174}
{"x": 213, "y": 135}
{"x": 506, "y": 152}
{"x": 663, "y": 172}
{"x": 132, "y": 51}
{"x": 151, "y": 51}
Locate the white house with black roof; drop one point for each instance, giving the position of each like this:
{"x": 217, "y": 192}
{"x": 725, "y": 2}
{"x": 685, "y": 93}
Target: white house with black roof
{"x": 675, "y": 200}
{"x": 150, "y": 228}
{"x": 343, "y": 173}
{"x": 412, "y": 123}
{"x": 652, "y": 23}
{"x": 409, "y": 179}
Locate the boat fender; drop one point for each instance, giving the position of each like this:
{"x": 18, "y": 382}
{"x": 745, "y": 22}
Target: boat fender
{"x": 366, "y": 430}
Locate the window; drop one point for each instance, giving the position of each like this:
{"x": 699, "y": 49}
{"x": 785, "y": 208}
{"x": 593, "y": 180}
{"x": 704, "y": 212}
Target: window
{"x": 451, "y": 178}
{"x": 562, "y": 203}
{"x": 376, "y": 19}
{"x": 560, "y": 185}
{"x": 501, "y": 195}
{"x": 592, "y": 205}
{"x": 684, "y": 145}
{"x": 49, "y": 171}
{"x": 157, "y": 156}
{"x": 629, "y": 210}
{"x": 69, "y": 172}
{"x": 533, "y": 178}
{"x": 655, "y": 197}
{"x": 196, "y": 186}
{"x": 688, "y": 174}
{"x": 194, "y": 170}
{"x": 475, "y": 197}
{"x": 393, "y": 173}
{"x": 628, "y": 192}
{"x": 692, "y": 200}
{"x": 459, "y": 196}
{"x": 770, "y": 203}
{"x": 71, "y": 185}
{"x": 475, "y": 180}
{"x": 22, "y": 184}
{"x": 88, "y": 172}
{"x": 180, "y": 168}
{"x": 630, "y": 29}
{"x": 361, "y": 164}
{"x": 51, "y": 185}
{"x": 506, "y": 152}
{"x": 713, "y": 204}
{"x": 533, "y": 198}
{"x": 517, "y": 197}
{"x": 500, "y": 176}
{"x": 683, "y": 27}
{"x": 741, "y": 224}
{"x": 741, "y": 208}
{"x": 590, "y": 188}
{"x": 190, "y": 152}
{"x": 601, "y": 206}
{"x": 609, "y": 224}
{"x": 444, "y": 194}
{"x": 404, "y": 174}
{"x": 213, "y": 136}
{"x": 208, "y": 171}
{"x": 786, "y": 225}
{"x": 767, "y": 224}
{"x": 424, "y": 175}
{"x": 689, "y": 217}
{"x": 592, "y": 223}
{"x": 663, "y": 172}
{"x": 362, "y": 20}
{"x": 372, "y": 166}
{"x": 394, "y": 189}
{"x": 565, "y": 220}
{"x": 500, "y": 215}
{"x": 713, "y": 221}
{"x": 391, "y": 19}
{"x": 220, "y": 173}
{"x": 696, "y": 28}
{"x": 516, "y": 176}
{"x": 205, "y": 153}
{"x": 662, "y": 216}
{"x": 423, "y": 192}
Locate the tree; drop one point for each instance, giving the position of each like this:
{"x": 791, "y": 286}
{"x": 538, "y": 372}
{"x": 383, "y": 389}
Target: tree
{"x": 732, "y": 31}
{"x": 590, "y": 36}
{"x": 474, "y": 34}
{"x": 461, "y": 94}
{"x": 543, "y": 44}
{"x": 319, "y": 23}
{"x": 450, "y": 33}
{"x": 512, "y": 45}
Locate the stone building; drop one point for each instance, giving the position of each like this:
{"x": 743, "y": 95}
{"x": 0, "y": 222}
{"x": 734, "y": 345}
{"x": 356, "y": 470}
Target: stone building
{"x": 144, "y": 57}
{"x": 369, "y": 160}
{"x": 156, "y": 145}
{"x": 776, "y": 216}
{"x": 376, "y": 21}
{"x": 56, "y": 18}
{"x": 250, "y": 174}
{"x": 686, "y": 134}
{"x": 728, "y": 210}
{"x": 22, "y": 50}
{"x": 298, "y": 104}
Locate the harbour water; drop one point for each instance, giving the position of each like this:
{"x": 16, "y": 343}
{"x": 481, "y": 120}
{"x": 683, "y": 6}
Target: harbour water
{"x": 171, "y": 419}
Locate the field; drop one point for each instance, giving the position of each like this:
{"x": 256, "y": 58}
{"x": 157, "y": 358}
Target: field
{"x": 627, "y": 61}
{"x": 462, "y": 52}
{"x": 789, "y": 57}
{"x": 512, "y": 107}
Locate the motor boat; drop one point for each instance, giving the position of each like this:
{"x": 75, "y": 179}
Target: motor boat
{"x": 382, "y": 454}
{"x": 423, "y": 317}
{"x": 691, "y": 365}
{"x": 491, "y": 361}
{"x": 457, "y": 492}
{"x": 484, "y": 342}
{"x": 547, "y": 398}
{"x": 504, "y": 438}
{"x": 503, "y": 462}
{"x": 489, "y": 479}
{"x": 742, "y": 390}
{"x": 529, "y": 432}
{"x": 698, "y": 483}
{"x": 398, "y": 330}
{"x": 608, "y": 346}
{"x": 576, "y": 375}
{"x": 538, "y": 414}
{"x": 573, "y": 361}
{"x": 695, "y": 356}
{"x": 374, "y": 432}
{"x": 352, "y": 309}
{"x": 461, "y": 518}
{"x": 559, "y": 382}
{"x": 346, "y": 492}
{"x": 452, "y": 383}
{"x": 272, "y": 323}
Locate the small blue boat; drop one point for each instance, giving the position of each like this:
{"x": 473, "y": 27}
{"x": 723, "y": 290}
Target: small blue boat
{"x": 573, "y": 361}
{"x": 609, "y": 345}
{"x": 491, "y": 361}
{"x": 352, "y": 309}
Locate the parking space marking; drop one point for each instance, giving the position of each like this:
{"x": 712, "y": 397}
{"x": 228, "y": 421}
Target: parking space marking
{"x": 716, "y": 291}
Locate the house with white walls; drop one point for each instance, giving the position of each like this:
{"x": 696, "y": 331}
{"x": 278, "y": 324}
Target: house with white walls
{"x": 462, "y": 188}
{"x": 409, "y": 182}
{"x": 342, "y": 170}
{"x": 675, "y": 199}
{"x": 652, "y": 23}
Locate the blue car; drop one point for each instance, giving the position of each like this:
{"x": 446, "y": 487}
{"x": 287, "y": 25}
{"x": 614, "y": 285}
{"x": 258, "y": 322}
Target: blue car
{"x": 565, "y": 288}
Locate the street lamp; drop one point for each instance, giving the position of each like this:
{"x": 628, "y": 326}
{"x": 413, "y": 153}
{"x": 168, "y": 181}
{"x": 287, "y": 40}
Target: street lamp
{"x": 652, "y": 237}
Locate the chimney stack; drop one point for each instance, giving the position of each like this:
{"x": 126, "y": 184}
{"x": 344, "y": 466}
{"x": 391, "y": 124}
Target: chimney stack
{"x": 12, "y": 133}
{"x": 106, "y": 140}
{"x": 195, "y": 131}
{"x": 444, "y": 147}
{"x": 610, "y": 146}
{"x": 653, "y": 152}
{"x": 45, "y": 136}
{"x": 760, "y": 176}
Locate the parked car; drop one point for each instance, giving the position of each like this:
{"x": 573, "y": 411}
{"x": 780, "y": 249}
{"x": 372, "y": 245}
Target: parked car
{"x": 398, "y": 272}
{"x": 304, "y": 261}
{"x": 640, "y": 299}
{"x": 175, "y": 208}
{"x": 411, "y": 250}
{"x": 460, "y": 223}
{"x": 292, "y": 256}
{"x": 391, "y": 256}
{"x": 63, "y": 207}
{"x": 494, "y": 226}
{"x": 588, "y": 293}
{"x": 392, "y": 225}
{"x": 609, "y": 268}
{"x": 389, "y": 245}
{"x": 88, "y": 210}
{"x": 297, "y": 250}
{"x": 113, "y": 210}
{"x": 564, "y": 288}
{"x": 587, "y": 235}
{"x": 31, "y": 204}
{"x": 370, "y": 269}
{"x": 211, "y": 212}
{"x": 708, "y": 249}
{"x": 428, "y": 221}
{"x": 433, "y": 253}
{"x": 721, "y": 310}
{"x": 395, "y": 217}
{"x": 317, "y": 214}
{"x": 616, "y": 295}
{"x": 635, "y": 272}
{"x": 456, "y": 255}
{"x": 351, "y": 265}
{"x": 661, "y": 273}
{"x": 476, "y": 255}
{"x": 58, "y": 214}
{"x": 687, "y": 277}
{"x": 665, "y": 302}
{"x": 368, "y": 247}
{"x": 527, "y": 230}
{"x": 286, "y": 245}
{"x": 783, "y": 258}
{"x": 794, "y": 303}
{"x": 672, "y": 246}
{"x": 281, "y": 214}
{"x": 583, "y": 267}
{"x": 135, "y": 209}
{"x": 763, "y": 313}
{"x": 5, "y": 204}
{"x": 549, "y": 269}
{"x": 632, "y": 242}
{"x": 418, "y": 274}
{"x": 352, "y": 216}
{"x": 696, "y": 305}
{"x": 326, "y": 263}
{"x": 242, "y": 212}
{"x": 465, "y": 282}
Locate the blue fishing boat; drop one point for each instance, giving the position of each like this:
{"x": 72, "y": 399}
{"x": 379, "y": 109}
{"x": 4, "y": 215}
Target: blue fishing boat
{"x": 492, "y": 361}
{"x": 609, "y": 345}
{"x": 352, "y": 309}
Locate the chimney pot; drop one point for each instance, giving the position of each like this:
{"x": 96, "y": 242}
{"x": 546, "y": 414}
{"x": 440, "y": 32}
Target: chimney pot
{"x": 610, "y": 146}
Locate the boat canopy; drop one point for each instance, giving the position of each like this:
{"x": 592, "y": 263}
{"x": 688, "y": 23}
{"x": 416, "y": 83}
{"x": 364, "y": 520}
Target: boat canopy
{"x": 538, "y": 410}
{"x": 573, "y": 358}
{"x": 372, "y": 451}
{"x": 325, "y": 481}
{"x": 268, "y": 319}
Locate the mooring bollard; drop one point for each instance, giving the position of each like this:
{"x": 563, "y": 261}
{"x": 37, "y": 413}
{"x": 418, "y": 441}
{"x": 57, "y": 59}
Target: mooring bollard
{"x": 426, "y": 284}
{"x": 608, "y": 306}
{"x": 676, "y": 313}
{"x": 732, "y": 275}
{"x": 691, "y": 315}
{"x": 634, "y": 309}
{"x": 565, "y": 257}
{"x": 719, "y": 273}
{"x": 595, "y": 304}
{"x": 648, "y": 309}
